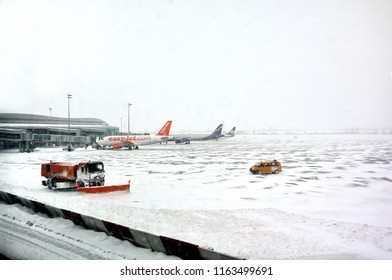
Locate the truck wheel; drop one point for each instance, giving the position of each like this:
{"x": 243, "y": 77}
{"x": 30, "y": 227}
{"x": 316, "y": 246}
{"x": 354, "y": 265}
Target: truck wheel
{"x": 81, "y": 184}
{"x": 51, "y": 183}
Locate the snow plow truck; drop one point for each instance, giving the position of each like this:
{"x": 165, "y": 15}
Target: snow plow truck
{"x": 83, "y": 177}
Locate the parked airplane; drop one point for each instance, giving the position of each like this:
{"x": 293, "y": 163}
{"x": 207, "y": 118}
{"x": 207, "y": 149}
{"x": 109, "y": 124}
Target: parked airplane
{"x": 136, "y": 140}
{"x": 231, "y": 133}
{"x": 187, "y": 138}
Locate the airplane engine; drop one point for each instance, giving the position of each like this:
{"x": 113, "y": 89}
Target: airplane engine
{"x": 117, "y": 146}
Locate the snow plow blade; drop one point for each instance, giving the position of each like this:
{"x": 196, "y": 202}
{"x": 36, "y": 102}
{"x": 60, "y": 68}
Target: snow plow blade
{"x": 103, "y": 189}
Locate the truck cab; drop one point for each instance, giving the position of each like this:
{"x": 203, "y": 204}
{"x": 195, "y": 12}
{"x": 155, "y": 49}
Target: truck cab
{"x": 90, "y": 174}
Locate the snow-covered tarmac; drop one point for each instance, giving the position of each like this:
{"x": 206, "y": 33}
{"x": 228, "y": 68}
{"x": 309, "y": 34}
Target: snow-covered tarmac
{"x": 333, "y": 199}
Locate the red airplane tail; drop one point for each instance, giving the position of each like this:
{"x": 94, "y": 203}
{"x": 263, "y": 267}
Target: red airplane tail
{"x": 165, "y": 130}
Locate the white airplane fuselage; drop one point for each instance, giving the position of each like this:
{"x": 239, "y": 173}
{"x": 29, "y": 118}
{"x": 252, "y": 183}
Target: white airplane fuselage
{"x": 136, "y": 140}
{"x": 132, "y": 140}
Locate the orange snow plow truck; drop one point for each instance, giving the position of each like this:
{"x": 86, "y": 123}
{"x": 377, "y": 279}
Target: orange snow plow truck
{"x": 84, "y": 177}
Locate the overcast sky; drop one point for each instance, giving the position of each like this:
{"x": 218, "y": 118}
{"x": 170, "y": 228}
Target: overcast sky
{"x": 254, "y": 64}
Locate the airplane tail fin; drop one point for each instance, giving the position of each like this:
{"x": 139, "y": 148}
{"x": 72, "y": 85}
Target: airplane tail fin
{"x": 165, "y": 130}
{"x": 231, "y": 132}
{"x": 217, "y": 132}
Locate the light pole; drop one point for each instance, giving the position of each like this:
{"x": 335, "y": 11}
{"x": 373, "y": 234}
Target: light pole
{"x": 129, "y": 106}
{"x": 50, "y": 110}
{"x": 69, "y": 124}
{"x": 121, "y": 126}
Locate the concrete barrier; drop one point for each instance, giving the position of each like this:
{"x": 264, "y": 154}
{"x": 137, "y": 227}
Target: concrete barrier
{"x": 54, "y": 212}
{"x": 4, "y": 197}
{"x": 167, "y": 245}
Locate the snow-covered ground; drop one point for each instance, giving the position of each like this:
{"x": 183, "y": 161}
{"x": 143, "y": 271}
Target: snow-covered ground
{"x": 27, "y": 235}
{"x": 333, "y": 199}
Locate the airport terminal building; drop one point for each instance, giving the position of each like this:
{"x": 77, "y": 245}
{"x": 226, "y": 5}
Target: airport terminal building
{"x": 27, "y": 131}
